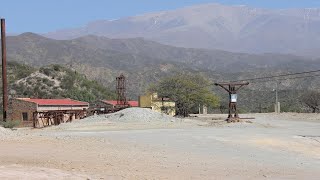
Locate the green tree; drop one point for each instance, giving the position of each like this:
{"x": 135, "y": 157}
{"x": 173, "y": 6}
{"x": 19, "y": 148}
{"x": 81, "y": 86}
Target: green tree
{"x": 188, "y": 91}
{"x": 311, "y": 100}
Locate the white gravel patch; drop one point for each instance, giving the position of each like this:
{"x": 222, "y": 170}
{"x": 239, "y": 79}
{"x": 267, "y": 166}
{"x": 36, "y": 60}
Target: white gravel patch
{"x": 134, "y": 115}
{"x": 5, "y": 132}
{"x": 129, "y": 118}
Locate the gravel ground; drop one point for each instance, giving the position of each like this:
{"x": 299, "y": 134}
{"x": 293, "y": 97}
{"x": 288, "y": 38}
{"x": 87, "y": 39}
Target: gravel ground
{"x": 131, "y": 118}
{"x": 4, "y": 133}
{"x": 133, "y": 144}
{"x": 136, "y": 115}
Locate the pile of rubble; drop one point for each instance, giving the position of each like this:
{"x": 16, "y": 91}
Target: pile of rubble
{"x": 133, "y": 115}
{"x": 127, "y": 118}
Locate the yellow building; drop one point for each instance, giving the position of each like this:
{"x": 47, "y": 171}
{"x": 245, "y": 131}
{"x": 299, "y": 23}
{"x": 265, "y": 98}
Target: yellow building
{"x": 162, "y": 105}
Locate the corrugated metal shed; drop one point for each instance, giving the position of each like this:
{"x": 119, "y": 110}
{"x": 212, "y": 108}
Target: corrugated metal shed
{"x": 56, "y": 102}
{"x": 114, "y": 103}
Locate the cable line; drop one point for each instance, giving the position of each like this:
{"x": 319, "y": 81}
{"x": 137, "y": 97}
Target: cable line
{"x": 299, "y": 77}
{"x": 282, "y": 75}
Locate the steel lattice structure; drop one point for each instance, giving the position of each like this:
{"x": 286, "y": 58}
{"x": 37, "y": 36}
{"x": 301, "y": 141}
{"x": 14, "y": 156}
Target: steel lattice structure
{"x": 121, "y": 91}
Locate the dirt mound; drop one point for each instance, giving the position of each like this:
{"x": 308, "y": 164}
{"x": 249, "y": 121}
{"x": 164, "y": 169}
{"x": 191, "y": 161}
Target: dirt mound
{"x": 131, "y": 118}
{"x": 134, "y": 115}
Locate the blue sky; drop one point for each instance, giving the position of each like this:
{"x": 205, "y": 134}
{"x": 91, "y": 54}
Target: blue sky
{"x": 48, "y": 15}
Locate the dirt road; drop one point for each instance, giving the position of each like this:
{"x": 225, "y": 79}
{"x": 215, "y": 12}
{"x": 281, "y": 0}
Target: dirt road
{"x": 271, "y": 147}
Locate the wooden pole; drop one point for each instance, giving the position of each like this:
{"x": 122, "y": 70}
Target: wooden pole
{"x": 4, "y": 69}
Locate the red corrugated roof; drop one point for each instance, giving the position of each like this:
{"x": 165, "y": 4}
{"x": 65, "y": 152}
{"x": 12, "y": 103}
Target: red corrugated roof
{"x": 62, "y": 102}
{"x": 133, "y": 103}
{"x": 114, "y": 103}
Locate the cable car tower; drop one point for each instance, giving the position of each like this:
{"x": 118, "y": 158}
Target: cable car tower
{"x": 232, "y": 89}
{"x": 121, "y": 91}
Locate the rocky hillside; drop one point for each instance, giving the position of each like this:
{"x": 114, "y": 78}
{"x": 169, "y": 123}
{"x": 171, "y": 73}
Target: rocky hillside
{"x": 216, "y": 26}
{"x": 54, "y": 81}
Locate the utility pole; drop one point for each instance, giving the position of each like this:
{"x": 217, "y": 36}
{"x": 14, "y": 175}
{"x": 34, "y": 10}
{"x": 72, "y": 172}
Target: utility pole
{"x": 232, "y": 89}
{"x": 4, "y": 69}
{"x": 260, "y": 108}
{"x": 277, "y": 105}
{"x": 277, "y": 99}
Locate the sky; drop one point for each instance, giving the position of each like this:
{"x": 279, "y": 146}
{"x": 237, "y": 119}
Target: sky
{"x": 42, "y": 16}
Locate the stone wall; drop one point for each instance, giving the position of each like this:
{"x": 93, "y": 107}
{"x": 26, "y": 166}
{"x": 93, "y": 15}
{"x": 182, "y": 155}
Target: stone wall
{"x": 17, "y": 107}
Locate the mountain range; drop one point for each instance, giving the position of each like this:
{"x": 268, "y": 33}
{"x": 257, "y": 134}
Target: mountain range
{"x": 145, "y": 62}
{"x": 101, "y": 60}
{"x": 215, "y": 26}
{"x": 222, "y": 43}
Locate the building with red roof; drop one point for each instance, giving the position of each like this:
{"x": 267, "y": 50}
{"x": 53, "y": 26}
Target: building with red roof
{"x": 45, "y": 112}
{"x": 114, "y": 103}
{"x": 109, "y": 106}
{"x": 55, "y": 102}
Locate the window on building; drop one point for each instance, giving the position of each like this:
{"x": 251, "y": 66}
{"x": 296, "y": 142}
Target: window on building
{"x": 25, "y": 116}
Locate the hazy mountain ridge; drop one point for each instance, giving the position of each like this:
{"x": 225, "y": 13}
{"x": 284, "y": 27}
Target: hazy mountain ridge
{"x": 132, "y": 54}
{"x": 145, "y": 62}
{"x": 102, "y": 59}
{"x": 214, "y": 26}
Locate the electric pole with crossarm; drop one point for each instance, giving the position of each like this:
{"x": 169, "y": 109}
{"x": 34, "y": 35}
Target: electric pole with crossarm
{"x": 232, "y": 89}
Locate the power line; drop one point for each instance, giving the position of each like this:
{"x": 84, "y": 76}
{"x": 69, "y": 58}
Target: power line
{"x": 299, "y": 77}
{"x": 267, "y": 77}
{"x": 282, "y": 75}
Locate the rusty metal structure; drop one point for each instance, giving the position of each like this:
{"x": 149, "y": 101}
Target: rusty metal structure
{"x": 121, "y": 91}
{"x": 4, "y": 69}
{"x": 232, "y": 89}
{"x": 105, "y": 107}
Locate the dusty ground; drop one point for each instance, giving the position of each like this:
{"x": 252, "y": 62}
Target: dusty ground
{"x": 271, "y": 146}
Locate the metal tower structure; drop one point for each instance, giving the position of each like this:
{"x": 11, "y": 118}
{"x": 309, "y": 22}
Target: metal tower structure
{"x": 121, "y": 91}
{"x": 232, "y": 89}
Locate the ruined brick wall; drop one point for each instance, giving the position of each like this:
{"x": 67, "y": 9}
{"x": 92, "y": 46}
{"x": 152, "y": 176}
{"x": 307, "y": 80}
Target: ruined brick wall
{"x": 17, "y": 107}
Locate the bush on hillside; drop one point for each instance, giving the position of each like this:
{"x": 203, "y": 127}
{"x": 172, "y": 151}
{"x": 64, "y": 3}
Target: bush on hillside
{"x": 10, "y": 124}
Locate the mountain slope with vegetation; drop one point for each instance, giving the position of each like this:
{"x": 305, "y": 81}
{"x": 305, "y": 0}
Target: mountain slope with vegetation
{"x": 54, "y": 81}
